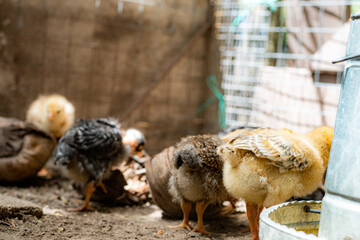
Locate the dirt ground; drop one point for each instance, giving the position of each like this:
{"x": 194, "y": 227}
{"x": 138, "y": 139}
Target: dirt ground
{"x": 107, "y": 222}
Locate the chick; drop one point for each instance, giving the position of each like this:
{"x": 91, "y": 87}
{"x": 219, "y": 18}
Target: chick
{"x": 53, "y": 114}
{"x": 136, "y": 140}
{"x": 197, "y": 177}
{"x": 266, "y": 167}
{"x": 88, "y": 151}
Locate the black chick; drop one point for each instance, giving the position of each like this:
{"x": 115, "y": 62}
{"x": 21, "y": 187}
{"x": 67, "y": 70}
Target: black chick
{"x": 88, "y": 150}
{"x": 197, "y": 177}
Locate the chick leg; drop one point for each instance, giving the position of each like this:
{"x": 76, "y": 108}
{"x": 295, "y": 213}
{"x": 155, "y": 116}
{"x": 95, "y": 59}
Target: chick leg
{"x": 253, "y": 213}
{"x": 200, "y": 209}
{"x": 186, "y": 208}
{"x": 90, "y": 188}
{"x": 260, "y": 208}
{"x": 101, "y": 184}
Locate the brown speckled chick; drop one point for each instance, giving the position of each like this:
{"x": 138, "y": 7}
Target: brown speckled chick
{"x": 197, "y": 177}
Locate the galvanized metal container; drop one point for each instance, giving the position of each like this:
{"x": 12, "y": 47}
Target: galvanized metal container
{"x": 340, "y": 212}
{"x": 289, "y": 221}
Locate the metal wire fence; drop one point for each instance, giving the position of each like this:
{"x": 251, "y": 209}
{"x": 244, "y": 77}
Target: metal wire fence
{"x": 276, "y": 60}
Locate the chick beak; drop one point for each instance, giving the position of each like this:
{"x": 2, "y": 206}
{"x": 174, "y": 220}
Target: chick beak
{"x": 132, "y": 142}
{"x": 136, "y": 152}
{"x": 139, "y": 154}
{"x": 50, "y": 114}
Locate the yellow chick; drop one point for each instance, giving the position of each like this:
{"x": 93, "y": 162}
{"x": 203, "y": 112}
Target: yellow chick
{"x": 53, "y": 114}
{"x": 266, "y": 167}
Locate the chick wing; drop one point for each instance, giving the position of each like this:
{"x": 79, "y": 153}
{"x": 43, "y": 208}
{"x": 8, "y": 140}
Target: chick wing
{"x": 271, "y": 145}
{"x": 98, "y": 138}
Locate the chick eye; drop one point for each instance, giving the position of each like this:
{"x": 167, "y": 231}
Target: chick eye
{"x": 58, "y": 111}
{"x": 139, "y": 148}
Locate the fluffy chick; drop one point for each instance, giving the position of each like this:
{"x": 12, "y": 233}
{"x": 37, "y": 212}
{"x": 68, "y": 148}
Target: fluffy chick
{"x": 136, "y": 140}
{"x": 197, "y": 177}
{"x": 266, "y": 167}
{"x": 88, "y": 151}
{"x": 53, "y": 114}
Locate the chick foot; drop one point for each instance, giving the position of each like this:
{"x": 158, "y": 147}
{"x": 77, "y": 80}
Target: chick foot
{"x": 44, "y": 173}
{"x": 90, "y": 188}
{"x": 183, "y": 225}
{"x": 81, "y": 209}
{"x": 186, "y": 208}
{"x": 201, "y": 230}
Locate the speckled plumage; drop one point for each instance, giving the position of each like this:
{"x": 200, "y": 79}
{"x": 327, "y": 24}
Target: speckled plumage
{"x": 89, "y": 149}
{"x": 198, "y": 170}
{"x": 206, "y": 147}
{"x": 197, "y": 177}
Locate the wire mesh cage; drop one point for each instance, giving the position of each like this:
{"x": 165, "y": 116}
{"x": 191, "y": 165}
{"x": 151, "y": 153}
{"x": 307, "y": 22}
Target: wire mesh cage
{"x": 276, "y": 60}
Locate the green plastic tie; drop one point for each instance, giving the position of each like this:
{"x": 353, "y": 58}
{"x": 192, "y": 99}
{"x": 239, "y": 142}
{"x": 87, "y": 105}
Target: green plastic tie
{"x": 250, "y": 5}
{"x": 213, "y": 85}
